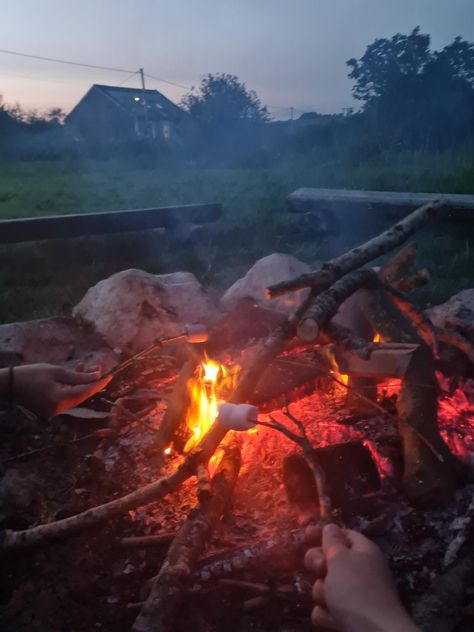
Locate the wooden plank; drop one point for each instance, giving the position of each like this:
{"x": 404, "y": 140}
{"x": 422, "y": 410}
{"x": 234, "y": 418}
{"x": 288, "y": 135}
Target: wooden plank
{"x": 394, "y": 204}
{"x": 77, "y": 225}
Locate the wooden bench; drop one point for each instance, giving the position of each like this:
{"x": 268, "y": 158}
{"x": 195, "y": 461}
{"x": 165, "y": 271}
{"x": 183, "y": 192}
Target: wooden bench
{"x": 392, "y": 204}
{"x": 80, "y": 224}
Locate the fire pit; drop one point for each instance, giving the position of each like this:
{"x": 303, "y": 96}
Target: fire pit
{"x": 315, "y": 422}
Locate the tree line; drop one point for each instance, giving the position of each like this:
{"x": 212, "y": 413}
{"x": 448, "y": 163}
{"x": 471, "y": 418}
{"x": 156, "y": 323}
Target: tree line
{"x": 411, "y": 98}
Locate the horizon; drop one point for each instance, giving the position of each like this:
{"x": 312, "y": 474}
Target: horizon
{"x": 292, "y": 57}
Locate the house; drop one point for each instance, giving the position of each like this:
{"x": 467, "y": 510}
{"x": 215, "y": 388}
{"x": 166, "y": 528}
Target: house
{"x": 112, "y": 114}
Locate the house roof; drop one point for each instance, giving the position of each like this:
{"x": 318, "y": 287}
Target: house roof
{"x": 131, "y": 101}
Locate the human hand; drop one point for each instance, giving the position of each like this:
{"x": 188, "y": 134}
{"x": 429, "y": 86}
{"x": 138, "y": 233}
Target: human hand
{"x": 48, "y": 390}
{"x": 354, "y": 591}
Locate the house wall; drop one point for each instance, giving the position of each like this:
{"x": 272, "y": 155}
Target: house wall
{"x": 98, "y": 120}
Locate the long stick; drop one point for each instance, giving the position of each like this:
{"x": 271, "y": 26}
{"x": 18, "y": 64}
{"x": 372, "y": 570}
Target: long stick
{"x": 154, "y": 491}
{"x": 336, "y": 268}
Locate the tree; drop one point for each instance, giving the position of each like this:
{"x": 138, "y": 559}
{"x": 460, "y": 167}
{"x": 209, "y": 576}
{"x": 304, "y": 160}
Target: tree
{"x": 414, "y": 97}
{"x": 225, "y": 116}
{"x": 387, "y": 62}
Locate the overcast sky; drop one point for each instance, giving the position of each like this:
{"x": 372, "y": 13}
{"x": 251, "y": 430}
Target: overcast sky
{"x": 292, "y": 52}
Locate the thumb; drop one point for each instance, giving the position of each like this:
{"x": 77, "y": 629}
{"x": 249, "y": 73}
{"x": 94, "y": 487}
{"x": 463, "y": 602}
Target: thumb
{"x": 334, "y": 540}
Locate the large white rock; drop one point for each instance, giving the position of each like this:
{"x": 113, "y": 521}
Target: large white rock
{"x": 457, "y": 313}
{"x": 267, "y": 271}
{"x": 132, "y": 309}
{"x": 57, "y": 340}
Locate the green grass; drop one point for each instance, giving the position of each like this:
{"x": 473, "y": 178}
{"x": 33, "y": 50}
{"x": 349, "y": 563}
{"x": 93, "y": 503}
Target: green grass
{"x": 47, "y": 278}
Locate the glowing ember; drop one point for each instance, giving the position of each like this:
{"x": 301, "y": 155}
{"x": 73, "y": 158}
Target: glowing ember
{"x": 376, "y": 338}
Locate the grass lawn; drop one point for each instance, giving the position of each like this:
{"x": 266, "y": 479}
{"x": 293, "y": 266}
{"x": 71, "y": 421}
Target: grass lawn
{"x": 44, "y": 278}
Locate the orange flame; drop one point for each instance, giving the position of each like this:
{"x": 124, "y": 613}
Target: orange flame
{"x": 376, "y": 337}
{"x": 211, "y": 377}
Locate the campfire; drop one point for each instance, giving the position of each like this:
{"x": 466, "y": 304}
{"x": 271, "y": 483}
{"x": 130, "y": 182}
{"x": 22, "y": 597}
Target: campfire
{"x": 315, "y": 422}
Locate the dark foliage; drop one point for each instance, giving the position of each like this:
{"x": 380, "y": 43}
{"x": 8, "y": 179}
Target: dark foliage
{"x": 226, "y": 119}
{"x": 414, "y": 97}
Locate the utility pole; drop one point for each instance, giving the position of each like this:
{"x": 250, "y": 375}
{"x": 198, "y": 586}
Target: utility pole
{"x": 292, "y": 109}
{"x": 145, "y": 110}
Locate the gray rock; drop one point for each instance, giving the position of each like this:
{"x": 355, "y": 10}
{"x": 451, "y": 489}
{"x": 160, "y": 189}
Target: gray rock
{"x": 457, "y": 313}
{"x": 54, "y": 340}
{"x": 132, "y": 309}
{"x": 268, "y": 271}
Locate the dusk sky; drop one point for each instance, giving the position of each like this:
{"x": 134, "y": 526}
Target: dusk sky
{"x": 292, "y": 52}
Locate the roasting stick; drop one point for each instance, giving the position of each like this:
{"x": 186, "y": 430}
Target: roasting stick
{"x": 304, "y": 443}
{"x": 193, "y": 334}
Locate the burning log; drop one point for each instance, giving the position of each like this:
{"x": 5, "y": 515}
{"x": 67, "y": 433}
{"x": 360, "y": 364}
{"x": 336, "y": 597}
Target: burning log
{"x": 418, "y": 319}
{"x": 41, "y": 534}
{"x": 398, "y": 264}
{"x": 204, "y": 485}
{"x": 168, "y": 588}
{"x": 416, "y": 280}
{"x": 333, "y": 270}
{"x": 430, "y": 470}
{"x": 176, "y": 410}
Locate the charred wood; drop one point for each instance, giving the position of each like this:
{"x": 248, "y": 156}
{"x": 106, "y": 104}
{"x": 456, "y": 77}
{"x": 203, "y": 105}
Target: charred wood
{"x": 430, "y": 470}
{"x": 144, "y": 541}
{"x": 176, "y": 410}
{"x": 412, "y": 282}
{"x": 398, "y": 265}
{"x": 417, "y": 318}
{"x": 270, "y": 549}
{"x": 439, "y": 609}
{"x": 168, "y": 589}
{"x": 326, "y": 304}
{"x": 344, "y": 338}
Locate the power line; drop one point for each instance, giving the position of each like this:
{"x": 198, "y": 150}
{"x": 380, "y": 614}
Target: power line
{"x": 129, "y": 77}
{"x": 95, "y": 66}
{"x": 172, "y": 83}
{"x": 63, "y": 61}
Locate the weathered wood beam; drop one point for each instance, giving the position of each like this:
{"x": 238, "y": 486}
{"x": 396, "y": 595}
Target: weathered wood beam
{"x": 79, "y": 224}
{"x": 393, "y": 204}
